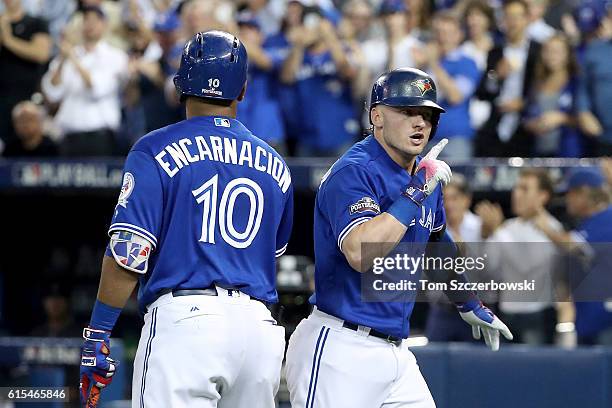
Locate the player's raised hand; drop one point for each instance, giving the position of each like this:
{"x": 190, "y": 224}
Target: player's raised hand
{"x": 97, "y": 368}
{"x": 435, "y": 171}
{"x": 483, "y": 320}
{"x": 429, "y": 173}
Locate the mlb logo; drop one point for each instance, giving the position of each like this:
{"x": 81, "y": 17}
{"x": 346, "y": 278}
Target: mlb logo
{"x": 223, "y": 122}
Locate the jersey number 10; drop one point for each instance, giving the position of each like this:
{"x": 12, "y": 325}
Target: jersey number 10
{"x": 207, "y": 195}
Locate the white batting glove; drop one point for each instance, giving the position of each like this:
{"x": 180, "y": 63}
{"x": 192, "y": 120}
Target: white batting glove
{"x": 429, "y": 173}
{"x": 436, "y": 171}
{"x": 482, "y": 319}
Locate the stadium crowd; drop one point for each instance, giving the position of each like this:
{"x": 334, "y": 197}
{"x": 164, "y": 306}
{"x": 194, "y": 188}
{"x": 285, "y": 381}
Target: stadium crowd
{"x": 517, "y": 78}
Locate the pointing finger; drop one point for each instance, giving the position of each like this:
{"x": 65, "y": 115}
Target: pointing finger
{"x": 505, "y": 331}
{"x": 435, "y": 151}
{"x": 476, "y": 332}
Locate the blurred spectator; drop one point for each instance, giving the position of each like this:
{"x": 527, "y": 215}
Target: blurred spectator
{"x": 507, "y": 83}
{"x": 139, "y": 37}
{"x": 462, "y": 224}
{"x": 594, "y": 97}
{"x": 205, "y": 15}
{"x": 286, "y": 93}
{"x": 419, "y": 18}
{"x": 114, "y": 33}
{"x": 582, "y": 26}
{"x": 322, "y": 71}
{"x": 28, "y": 121}
{"x": 56, "y": 13}
{"x": 456, "y": 76}
{"x": 260, "y": 111}
{"x": 145, "y": 104}
{"x": 25, "y": 46}
{"x": 356, "y": 31}
{"x": 143, "y": 10}
{"x": 538, "y": 29}
{"x": 401, "y": 44}
{"x": 551, "y": 106}
{"x": 359, "y": 14}
{"x": 443, "y": 322}
{"x": 588, "y": 200}
{"x": 58, "y": 318}
{"x": 512, "y": 257}
{"x": 86, "y": 80}
{"x": 479, "y": 21}
{"x": 267, "y": 13}
{"x": 606, "y": 169}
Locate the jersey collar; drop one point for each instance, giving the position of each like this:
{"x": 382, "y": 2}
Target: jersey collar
{"x": 381, "y": 155}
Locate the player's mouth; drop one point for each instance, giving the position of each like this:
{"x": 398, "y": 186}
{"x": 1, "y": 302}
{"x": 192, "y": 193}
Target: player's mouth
{"x": 417, "y": 138}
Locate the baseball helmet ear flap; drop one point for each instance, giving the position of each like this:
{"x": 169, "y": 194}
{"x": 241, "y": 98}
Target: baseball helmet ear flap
{"x": 213, "y": 65}
{"x": 406, "y": 87}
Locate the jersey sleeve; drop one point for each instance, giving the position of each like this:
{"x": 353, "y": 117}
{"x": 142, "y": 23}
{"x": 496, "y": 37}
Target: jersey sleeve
{"x": 348, "y": 199}
{"x": 140, "y": 204}
{"x": 440, "y": 218}
{"x": 284, "y": 229}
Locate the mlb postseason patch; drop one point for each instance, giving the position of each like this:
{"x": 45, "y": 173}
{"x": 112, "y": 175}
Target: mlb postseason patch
{"x": 363, "y": 205}
{"x": 126, "y": 189}
{"x": 223, "y": 122}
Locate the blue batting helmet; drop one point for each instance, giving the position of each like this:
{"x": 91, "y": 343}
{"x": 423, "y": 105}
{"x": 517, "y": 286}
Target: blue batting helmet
{"x": 213, "y": 65}
{"x": 406, "y": 87}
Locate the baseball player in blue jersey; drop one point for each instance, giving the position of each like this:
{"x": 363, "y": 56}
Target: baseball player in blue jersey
{"x": 350, "y": 353}
{"x": 204, "y": 210}
{"x": 588, "y": 200}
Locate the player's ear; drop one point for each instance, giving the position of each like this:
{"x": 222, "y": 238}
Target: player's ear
{"x": 376, "y": 117}
{"x": 242, "y": 93}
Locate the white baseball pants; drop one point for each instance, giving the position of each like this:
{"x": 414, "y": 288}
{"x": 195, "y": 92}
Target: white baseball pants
{"x": 329, "y": 366}
{"x": 208, "y": 351}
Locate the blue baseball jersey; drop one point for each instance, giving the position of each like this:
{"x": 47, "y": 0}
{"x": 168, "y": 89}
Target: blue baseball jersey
{"x": 260, "y": 111}
{"x": 364, "y": 182}
{"x": 328, "y": 117}
{"x": 593, "y": 317}
{"x": 466, "y": 75}
{"x": 215, "y": 201}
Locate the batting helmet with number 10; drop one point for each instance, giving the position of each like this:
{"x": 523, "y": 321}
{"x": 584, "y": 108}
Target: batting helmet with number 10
{"x": 213, "y": 65}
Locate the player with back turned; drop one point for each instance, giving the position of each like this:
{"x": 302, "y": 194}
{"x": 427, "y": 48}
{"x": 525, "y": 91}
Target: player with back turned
{"x": 204, "y": 210}
{"x": 350, "y": 353}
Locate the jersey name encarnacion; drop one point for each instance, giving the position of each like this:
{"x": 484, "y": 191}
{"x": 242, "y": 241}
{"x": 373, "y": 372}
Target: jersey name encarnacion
{"x": 225, "y": 150}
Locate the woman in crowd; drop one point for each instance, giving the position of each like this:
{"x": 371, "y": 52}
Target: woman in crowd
{"x": 550, "y": 112}
{"x": 479, "y": 20}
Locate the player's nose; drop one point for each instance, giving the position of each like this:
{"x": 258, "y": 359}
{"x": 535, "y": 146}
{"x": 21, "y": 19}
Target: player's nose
{"x": 418, "y": 122}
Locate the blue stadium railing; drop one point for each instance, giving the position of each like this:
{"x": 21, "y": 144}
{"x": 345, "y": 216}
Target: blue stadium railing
{"x": 458, "y": 375}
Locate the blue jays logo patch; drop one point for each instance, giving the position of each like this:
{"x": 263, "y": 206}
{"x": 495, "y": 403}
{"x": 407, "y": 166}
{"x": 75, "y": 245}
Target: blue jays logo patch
{"x": 423, "y": 85}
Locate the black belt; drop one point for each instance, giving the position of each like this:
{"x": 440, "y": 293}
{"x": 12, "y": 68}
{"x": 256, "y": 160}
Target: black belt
{"x": 191, "y": 292}
{"x": 397, "y": 341}
{"x": 211, "y": 291}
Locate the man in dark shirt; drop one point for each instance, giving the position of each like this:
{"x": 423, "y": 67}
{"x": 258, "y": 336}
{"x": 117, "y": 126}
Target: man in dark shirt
{"x": 507, "y": 83}
{"x": 31, "y": 142}
{"x": 25, "y": 46}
